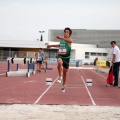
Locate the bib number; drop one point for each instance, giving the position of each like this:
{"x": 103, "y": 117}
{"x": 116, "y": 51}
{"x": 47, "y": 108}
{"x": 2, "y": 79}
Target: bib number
{"x": 62, "y": 50}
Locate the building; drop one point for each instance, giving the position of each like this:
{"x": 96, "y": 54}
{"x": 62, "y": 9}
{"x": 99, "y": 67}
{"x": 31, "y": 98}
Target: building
{"x": 87, "y": 45}
{"x": 101, "y": 38}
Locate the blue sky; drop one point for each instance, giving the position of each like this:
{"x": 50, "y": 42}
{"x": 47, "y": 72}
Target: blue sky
{"x": 22, "y": 19}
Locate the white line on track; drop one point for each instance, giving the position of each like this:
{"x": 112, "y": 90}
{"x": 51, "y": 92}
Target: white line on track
{"x": 3, "y": 74}
{"x": 98, "y": 74}
{"x": 91, "y": 98}
{"x": 44, "y": 93}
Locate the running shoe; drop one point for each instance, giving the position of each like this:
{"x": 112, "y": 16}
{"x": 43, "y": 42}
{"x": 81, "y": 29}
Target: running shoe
{"x": 63, "y": 89}
{"x": 59, "y": 80}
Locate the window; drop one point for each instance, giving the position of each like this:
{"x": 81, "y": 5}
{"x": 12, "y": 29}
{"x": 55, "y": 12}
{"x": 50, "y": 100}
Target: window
{"x": 104, "y": 54}
{"x": 87, "y": 57}
{"x": 93, "y": 54}
{"x": 99, "y": 54}
{"x": 86, "y": 53}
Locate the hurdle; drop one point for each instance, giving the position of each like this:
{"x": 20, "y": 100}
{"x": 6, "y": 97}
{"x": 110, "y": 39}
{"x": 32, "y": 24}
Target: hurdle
{"x": 20, "y": 72}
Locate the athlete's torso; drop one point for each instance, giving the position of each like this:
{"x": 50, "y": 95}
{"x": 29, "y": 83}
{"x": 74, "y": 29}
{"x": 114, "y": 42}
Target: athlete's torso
{"x": 64, "y": 50}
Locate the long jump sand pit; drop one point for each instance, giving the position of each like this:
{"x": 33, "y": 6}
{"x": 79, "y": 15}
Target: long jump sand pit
{"x": 58, "y": 112}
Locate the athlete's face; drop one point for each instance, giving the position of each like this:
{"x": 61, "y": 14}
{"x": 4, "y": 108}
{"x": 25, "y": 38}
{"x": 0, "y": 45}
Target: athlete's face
{"x": 67, "y": 33}
{"x": 40, "y": 50}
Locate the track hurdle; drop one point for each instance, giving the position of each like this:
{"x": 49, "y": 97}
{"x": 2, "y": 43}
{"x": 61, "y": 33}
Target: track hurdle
{"x": 21, "y": 72}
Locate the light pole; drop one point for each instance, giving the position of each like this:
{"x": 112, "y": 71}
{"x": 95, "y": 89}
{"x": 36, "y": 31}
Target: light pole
{"x": 41, "y": 37}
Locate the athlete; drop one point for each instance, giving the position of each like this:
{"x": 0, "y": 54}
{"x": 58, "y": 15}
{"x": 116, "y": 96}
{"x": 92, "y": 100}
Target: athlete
{"x": 40, "y": 60}
{"x": 63, "y": 55}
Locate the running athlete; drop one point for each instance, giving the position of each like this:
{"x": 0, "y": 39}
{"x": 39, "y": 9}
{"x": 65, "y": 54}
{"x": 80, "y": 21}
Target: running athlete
{"x": 63, "y": 55}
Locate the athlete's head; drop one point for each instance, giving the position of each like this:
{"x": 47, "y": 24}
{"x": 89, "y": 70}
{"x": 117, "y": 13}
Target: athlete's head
{"x": 67, "y": 32}
{"x": 40, "y": 49}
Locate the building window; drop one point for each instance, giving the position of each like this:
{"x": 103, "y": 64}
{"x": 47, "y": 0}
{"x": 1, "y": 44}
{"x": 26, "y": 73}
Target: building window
{"x": 51, "y": 53}
{"x": 86, "y": 57}
{"x": 104, "y": 54}
{"x": 93, "y": 54}
{"x": 99, "y": 54}
{"x": 86, "y": 53}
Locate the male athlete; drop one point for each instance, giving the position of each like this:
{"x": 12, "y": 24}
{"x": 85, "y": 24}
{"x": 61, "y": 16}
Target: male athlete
{"x": 63, "y": 55}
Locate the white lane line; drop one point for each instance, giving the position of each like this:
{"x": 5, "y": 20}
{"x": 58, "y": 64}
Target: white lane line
{"x": 98, "y": 74}
{"x": 44, "y": 92}
{"x": 91, "y": 98}
{"x": 3, "y": 74}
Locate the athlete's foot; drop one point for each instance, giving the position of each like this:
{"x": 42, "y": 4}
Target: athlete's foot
{"x": 63, "y": 88}
{"x": 59, "y": 80}
{"x": 39, "y": 70}
{"x": 45, "y": 70}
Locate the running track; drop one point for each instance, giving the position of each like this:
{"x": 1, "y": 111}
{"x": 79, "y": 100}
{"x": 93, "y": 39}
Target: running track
{"x": 33, "y": 90}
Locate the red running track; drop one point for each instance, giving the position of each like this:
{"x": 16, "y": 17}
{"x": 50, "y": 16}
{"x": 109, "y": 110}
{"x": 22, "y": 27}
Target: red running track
{"x": 33, "y": 90}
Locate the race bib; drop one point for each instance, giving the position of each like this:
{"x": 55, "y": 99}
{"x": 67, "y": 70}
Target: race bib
{"x": 62, "y": 49}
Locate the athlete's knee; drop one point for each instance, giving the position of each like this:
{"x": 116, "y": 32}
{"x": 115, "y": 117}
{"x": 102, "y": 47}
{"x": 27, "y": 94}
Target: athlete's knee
{"x": 65, "y": 71}
{"x": 60, "y": 62}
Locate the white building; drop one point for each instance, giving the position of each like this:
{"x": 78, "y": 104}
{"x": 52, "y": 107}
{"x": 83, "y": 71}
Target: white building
{"x": 85, "y": 52}
{"x": 88, "y": 52}
{"x": 87, "y": 45}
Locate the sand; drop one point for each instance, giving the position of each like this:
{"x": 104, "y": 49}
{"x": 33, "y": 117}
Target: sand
{"x": 58, "y": 112}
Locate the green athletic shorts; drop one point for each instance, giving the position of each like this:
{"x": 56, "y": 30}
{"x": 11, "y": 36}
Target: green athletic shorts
{"x": 65, "y": 62}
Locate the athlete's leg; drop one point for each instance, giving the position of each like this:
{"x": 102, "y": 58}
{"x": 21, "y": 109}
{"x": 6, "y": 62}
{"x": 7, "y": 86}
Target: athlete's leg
{"x": 59, "y": 67}
{"x": 64, "y": 75}
{"x": 40, "y": 64}
{"x": 37, "y": 63}
{"x": 43, "y": 66}
{"x": 65, "y": 70}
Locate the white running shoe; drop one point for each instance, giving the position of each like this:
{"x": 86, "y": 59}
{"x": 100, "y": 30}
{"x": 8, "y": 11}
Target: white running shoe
{"x": 63, "y": 88}
{"x": 59, "y": 80}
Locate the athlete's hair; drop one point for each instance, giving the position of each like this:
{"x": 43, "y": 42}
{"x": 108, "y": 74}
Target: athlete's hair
{"x": 40, "y": 48}
{"x": 113, "y": 42}
{"x": 70, "y": 31}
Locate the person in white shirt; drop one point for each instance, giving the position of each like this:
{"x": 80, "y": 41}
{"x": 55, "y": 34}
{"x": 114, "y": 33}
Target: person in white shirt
{"x": 115, "y": 62}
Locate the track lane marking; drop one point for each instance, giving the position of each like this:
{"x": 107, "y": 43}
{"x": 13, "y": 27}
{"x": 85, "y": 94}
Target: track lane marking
{"x": 40, "y": 97}
{"x": 91, "y": 98}
{"x": 99, "y": 74}
{"x": 2, "y": 73}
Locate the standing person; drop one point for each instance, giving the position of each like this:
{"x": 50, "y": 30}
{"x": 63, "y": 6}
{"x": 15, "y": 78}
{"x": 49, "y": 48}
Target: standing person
{"x": 40, "y": 59}
{"x": 95, "y": 61}
{"x": 63, "y": 55}
{"x": 36, "y": 56}
{"x": 115, "y": 62}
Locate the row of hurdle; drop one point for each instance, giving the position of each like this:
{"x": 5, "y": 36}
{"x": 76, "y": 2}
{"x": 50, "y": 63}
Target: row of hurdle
{"x": 21, "y": 72}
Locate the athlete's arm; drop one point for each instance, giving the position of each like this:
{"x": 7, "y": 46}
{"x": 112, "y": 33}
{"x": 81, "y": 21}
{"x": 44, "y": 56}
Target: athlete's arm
{"x": 43, "y": 53}
{"x": 49, "y": 46}
{"x": 69, "y": 40}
